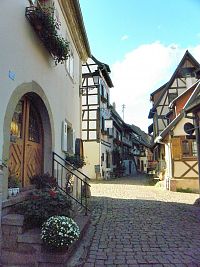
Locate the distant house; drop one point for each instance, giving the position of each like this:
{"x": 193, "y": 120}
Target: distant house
{"x": 96, "y": 113}
{"x": 182, "y": 79}
{"x": 142, "y": 144}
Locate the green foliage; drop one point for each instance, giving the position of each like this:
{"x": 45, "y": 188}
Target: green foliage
{"x": 152, "y": 182}
{"x": 184, "y": 190}
{"x": 75, "y": 160}
{"x": 47, "y": 28}
{"x": 41, "y": 205}
{"x": 59, "y": 232}
{"x": 13, "y": 181}
{"x": 43, "y": 181}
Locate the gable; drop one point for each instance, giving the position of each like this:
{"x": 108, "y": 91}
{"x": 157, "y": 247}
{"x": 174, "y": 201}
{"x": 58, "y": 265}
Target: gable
{"x": 186, "y": 68}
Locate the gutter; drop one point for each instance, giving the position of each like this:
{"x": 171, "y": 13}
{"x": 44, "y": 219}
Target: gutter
{"x": 82, "y": 26}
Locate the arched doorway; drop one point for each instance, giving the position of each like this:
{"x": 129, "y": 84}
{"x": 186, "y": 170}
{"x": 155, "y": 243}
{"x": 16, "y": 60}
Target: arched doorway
{"x": 26, "y": 141}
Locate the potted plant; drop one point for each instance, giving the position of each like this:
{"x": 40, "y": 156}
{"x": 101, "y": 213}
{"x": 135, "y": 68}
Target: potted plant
{"x": 75, "y": 160}
{"x": 13, "y": 185}
{"x": 41, "y": 205}
{"x": 42, "y": 181}
{"x": 59, "y": 232}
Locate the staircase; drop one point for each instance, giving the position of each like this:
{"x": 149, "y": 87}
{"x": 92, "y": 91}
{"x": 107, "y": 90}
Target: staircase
{"x": 24, "y": 248}
{"x": 72, "y": 182}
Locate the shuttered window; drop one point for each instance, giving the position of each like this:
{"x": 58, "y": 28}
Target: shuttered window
{"x": 189, "y": 148}
{"x": 183, "y": 148}
{"x": 176, "y": 148}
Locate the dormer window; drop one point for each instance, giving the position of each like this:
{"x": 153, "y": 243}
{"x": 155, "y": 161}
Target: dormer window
{"x": 172, "y": 96}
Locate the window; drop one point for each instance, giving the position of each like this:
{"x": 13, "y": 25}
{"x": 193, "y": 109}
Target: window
{"x": 194, "y": 148}
{"x": 185, "y": 148}
{"x": 189, "y": 148}
{"x": 70, "y": 140}
{"x": 69, "y": 64}
{"x": 16, "y": 124}
{"x": 34, "y": 133}
{"x": 172, "y": 96}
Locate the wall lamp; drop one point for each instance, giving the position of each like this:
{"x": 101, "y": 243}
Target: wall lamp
{"x": 95, "y": 76}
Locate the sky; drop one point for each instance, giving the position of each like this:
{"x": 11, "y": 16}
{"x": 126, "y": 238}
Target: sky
{"x": 142, "y": 42}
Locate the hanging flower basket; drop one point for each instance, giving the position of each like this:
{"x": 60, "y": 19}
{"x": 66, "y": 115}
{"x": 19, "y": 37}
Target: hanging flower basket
{"x": 46, "y": 27}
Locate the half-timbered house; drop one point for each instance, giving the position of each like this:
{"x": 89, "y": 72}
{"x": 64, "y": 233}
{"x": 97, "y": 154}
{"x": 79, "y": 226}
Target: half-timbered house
{"x": 181, "y": 169}
{"x": 183, "y": 77}
{"x": 192, "y": 110}
{"x": 96, "y": 131}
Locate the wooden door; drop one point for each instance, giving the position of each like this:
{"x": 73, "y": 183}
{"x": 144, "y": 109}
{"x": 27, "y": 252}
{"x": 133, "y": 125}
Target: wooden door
{"x": 26, "y": 142}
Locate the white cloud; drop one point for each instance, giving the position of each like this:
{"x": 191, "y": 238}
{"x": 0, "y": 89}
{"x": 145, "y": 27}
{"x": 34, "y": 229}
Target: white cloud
{"x": 141, "y": 72}
{"x": 124, "y": 37}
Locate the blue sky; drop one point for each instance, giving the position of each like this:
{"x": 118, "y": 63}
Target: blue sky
{"x": 142, "y": 41}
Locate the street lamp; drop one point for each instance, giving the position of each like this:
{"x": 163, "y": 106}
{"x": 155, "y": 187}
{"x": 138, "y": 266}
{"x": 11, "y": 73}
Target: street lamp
{"x": 95, "y": 76}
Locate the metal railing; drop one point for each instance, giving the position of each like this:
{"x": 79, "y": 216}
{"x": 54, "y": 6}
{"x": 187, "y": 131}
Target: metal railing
{"x": 69, "y": 181}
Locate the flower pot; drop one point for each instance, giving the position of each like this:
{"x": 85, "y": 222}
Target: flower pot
{"x": 15, "y": 191}
{"x": 10, "y": 192}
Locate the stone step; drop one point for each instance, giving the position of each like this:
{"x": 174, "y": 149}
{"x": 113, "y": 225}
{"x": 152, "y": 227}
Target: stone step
{"x": 30, "y": 237}
{"x": 10, "y": 258}
{"x": 13, "y": 219}
{"x": 30, "y": 251}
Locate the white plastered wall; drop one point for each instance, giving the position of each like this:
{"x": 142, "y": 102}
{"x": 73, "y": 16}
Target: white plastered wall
{"x": 22, "y": 53}
{"x": 92, "y": 158}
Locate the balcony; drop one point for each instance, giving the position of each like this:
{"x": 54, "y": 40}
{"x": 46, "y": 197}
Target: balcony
{"x": 46, "y": 27}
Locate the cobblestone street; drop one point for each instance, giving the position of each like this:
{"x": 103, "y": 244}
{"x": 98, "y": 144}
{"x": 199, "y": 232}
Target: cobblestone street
{"x": 134, "y": 224}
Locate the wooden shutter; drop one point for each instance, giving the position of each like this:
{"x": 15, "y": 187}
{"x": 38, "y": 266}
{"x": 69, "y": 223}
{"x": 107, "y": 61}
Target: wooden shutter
{"x": 73, "y": 142}
{"x": 176, "y": 148}
{"x": 79, "y": 147}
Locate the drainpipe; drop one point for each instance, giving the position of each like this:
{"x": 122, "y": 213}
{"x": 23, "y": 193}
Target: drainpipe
{"x": 197, "y": 133}
{"x": 167, "y": 184}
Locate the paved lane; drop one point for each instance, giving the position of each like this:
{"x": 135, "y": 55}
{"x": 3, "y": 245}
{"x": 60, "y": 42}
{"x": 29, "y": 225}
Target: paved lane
{"x": 138, "y": 225}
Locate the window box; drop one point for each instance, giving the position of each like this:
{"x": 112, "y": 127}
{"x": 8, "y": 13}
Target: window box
{"x": 46, "y": 27}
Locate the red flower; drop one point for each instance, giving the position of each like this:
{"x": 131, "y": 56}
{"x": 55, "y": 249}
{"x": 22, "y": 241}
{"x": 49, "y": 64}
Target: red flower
{"x": 35, "y": 197}
{"x": 52, "y": 193}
